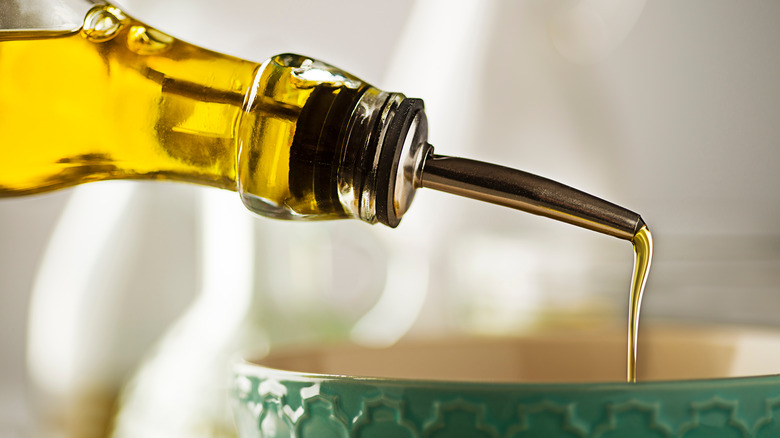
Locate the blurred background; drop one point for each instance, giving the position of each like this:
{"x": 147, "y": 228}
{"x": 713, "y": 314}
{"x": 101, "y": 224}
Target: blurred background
{"x": 122, "y": 304}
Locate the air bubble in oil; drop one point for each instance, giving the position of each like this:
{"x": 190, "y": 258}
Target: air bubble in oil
{"x": 147, "y": 41}
{"x": 102, "y": 23}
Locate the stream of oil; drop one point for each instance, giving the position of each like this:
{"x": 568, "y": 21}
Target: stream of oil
{"x": 643, "y": 255}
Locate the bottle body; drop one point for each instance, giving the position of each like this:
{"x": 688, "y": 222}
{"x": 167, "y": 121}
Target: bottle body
{"x": 118, "y": 99}
{"x": 132, "y": 103}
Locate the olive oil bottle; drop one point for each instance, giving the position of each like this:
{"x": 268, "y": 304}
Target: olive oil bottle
{"x": 97, "y": 95}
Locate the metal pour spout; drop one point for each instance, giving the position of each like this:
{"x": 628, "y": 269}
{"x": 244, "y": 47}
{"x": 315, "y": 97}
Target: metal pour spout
{"x": 406, "y": 162}
{"x": 528, "y": 192}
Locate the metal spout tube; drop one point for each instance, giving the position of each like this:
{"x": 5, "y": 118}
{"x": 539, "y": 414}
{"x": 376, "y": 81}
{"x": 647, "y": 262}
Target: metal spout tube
{"x": 527, "y": 192}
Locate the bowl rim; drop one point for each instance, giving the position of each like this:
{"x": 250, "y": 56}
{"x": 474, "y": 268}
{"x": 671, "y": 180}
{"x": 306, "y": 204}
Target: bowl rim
{"x": 251, "y": 369}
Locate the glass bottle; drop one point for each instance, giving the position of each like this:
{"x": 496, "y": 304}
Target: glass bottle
{"x": 113, "y": 98}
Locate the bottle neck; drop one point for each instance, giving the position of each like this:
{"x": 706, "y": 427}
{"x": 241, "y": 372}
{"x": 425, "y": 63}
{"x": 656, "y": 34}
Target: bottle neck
{"x": 318, "y": 143}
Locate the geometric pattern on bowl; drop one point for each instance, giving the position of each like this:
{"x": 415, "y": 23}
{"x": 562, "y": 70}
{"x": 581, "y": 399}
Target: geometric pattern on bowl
{"x": 271, "y": 403}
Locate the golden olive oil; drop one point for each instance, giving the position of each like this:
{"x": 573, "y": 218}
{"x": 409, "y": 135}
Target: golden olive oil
{"x": 643, "y": 255}
{"x": 121, "y": 100}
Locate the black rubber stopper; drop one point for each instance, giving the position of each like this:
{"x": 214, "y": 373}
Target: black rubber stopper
{"x": 389, "y": 158}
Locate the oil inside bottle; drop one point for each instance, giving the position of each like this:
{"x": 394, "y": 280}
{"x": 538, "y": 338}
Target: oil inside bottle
{"x": 643, "y": 255}
{"x": 88, "y": 106}
{"x": 121, "y": 100}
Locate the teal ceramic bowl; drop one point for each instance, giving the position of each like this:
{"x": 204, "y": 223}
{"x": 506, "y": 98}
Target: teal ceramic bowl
{"x": 562, "y": 384}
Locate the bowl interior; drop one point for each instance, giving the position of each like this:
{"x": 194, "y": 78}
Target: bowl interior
{"x": 665, "y": 353}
